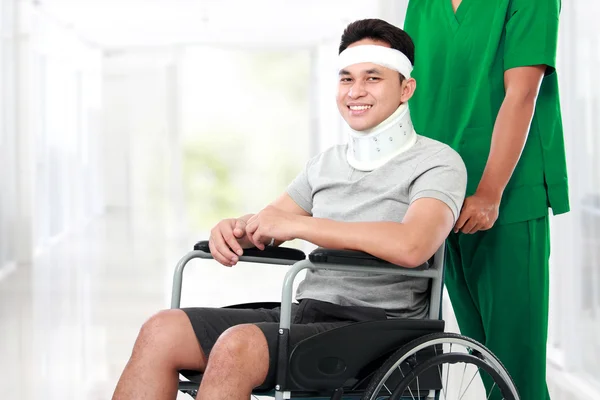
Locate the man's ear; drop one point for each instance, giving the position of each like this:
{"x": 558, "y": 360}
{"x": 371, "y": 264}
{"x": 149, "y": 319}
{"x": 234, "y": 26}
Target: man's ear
{"x": 408, "y": 89}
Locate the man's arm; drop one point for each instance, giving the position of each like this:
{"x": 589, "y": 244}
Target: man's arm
{"x": 228, "y": 238}
{"x": 283, "y": 203}
{"x": 287, "y": 204}
{"x": 409, "y": 244}
{"x": 522, "y": 84}
{"x": 426, "y": 225}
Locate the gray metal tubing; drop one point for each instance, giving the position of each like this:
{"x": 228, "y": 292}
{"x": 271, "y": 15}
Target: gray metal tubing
{"x": 437, "y": 283}
{"x": 288, "y": 282}
{"x": 435, "y": 300}
{"x": 282, "y": 395}
{"x": 178, "y": 275}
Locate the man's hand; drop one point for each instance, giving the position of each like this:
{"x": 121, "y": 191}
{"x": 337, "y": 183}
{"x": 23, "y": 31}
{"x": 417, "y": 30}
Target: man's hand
{"x": 479, "y": 213}
{"x": 271, "y": 223}
{"x": 227, "y": 240}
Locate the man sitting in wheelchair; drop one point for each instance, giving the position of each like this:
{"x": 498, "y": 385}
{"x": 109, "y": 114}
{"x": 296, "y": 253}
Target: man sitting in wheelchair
{"x": 388, "y": 192}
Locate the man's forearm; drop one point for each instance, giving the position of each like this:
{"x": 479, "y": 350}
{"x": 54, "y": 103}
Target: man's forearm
{"x": 387, "y": 240}
{"x": 508, "y": 141}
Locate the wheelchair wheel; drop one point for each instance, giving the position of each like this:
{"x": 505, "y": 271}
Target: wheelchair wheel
{"x": 441, "y": 366}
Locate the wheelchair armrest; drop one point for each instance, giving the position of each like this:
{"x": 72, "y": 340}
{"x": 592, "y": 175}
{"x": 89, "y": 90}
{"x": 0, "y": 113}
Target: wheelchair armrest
{"x": 350, "y": 257}
{"x": 280, "y": 253}
{"x": 271, "y": 255}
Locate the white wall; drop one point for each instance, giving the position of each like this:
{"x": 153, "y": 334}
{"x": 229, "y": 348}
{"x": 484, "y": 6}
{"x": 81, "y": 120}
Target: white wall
{"x": 141, "y": 135}
{"x": 327, "y": 124}
{"x": 8, "y": 138}
{"x": 59, "y": 103}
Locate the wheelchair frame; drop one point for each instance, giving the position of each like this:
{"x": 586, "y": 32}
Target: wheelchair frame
{"x": 325, "y": 259}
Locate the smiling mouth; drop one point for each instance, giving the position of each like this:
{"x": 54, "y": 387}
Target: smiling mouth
{"x": 359, "y": 108}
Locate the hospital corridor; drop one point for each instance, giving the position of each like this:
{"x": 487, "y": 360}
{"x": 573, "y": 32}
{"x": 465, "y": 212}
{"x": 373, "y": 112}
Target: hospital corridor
{"x": 129, "y": 128}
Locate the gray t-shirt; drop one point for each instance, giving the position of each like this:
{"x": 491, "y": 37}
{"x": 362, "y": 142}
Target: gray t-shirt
{"x": 330, "y": 188}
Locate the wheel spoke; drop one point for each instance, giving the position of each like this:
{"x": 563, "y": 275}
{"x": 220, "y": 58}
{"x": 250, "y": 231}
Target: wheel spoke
{"x": 386, "y": 388}
{"x": 448, "y": 374}
{"x": 462, "y": 379}
{"x": 402, "y": 372}
{"x": 491, "y": 390}
{"x": 441, "y": 373}
{"x": 471, "y": 381}
{"x": 411, "y": 393}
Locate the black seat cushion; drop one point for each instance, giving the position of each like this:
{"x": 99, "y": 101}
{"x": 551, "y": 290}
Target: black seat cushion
{"x": 343, "y": 355}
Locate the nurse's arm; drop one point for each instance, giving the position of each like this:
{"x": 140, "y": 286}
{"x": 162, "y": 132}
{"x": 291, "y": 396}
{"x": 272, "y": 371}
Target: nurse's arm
{"x": 510, "y": 131}
{"x": 411, "y": 243}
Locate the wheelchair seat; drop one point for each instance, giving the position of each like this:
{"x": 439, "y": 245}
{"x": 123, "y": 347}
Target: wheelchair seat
{"x": 345, "y": 356}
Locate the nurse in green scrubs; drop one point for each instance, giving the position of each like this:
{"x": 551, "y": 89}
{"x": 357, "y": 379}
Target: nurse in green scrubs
{"x": 487, "y": 86}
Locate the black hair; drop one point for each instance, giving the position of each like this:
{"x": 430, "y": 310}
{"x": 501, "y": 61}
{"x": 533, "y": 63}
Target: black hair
{"x": 377, "y": 29}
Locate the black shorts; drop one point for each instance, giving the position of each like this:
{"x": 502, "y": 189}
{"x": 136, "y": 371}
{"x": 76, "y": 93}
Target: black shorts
{"x": 309, "y": 318}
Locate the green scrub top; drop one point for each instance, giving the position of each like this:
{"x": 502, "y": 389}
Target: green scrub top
{"x": 460, "y": 59}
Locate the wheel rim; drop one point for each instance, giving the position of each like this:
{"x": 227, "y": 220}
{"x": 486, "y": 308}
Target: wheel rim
{"x": 452, "y": 388}
{"x": 448, "y": 345}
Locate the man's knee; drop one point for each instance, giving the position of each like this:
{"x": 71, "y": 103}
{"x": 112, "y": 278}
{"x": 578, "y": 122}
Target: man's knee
{"x": 168, "y": 335}
{"x": 242, "y": 343}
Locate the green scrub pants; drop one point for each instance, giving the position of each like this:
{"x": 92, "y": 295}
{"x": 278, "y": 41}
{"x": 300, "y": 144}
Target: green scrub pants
{"x": 498, "y": 285}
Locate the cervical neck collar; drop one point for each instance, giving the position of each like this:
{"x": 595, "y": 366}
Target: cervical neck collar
{"x": 370, "y": 149}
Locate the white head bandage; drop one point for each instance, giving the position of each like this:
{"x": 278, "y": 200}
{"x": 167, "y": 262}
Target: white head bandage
{"x": 380, "y": 55}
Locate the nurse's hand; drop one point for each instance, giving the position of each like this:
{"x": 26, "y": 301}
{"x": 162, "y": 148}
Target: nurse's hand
{"x": 479, "y": 213}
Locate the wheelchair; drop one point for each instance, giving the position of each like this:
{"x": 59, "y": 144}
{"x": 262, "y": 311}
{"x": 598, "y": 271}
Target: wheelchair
{"x": 391, "y": 359}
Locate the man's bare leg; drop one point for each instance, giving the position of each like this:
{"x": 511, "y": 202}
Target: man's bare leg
{"x": 238, "y": 363}
{"x": 166, "y": 344}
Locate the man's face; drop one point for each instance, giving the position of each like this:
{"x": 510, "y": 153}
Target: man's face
{"x": 368, "y": 93}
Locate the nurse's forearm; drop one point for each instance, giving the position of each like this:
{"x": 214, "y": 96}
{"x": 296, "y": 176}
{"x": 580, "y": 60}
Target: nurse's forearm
{"x": 508, "y": 140}
{"x": 522, "y": 86}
